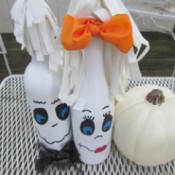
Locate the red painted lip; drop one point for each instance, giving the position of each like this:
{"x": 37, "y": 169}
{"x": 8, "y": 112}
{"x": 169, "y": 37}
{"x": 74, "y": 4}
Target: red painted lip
{"x": 100, "y": 149}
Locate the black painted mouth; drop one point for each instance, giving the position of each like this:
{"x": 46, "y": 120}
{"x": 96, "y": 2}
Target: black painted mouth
{"x": 51, "y": 143}
{"x": 83, "y": 146}
{"x": 86, "y": 148}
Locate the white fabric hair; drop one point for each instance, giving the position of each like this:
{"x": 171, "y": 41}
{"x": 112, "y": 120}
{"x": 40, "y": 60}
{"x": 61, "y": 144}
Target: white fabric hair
{"x": 35, "y": 28}
{"x": 119, "y": 66}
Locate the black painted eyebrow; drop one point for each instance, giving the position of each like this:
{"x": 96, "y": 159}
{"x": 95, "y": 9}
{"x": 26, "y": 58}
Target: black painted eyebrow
{"x": 55, "y": 101}
{"x": 105, "y": 107}
{"x": 39, "y": 102}
{"x": 86, "y": 110}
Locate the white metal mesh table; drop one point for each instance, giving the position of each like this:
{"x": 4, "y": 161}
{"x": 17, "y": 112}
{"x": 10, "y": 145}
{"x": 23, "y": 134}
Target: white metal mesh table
{"x": 18, "y": 140}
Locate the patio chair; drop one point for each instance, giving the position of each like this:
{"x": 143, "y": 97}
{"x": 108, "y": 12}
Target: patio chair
{"x": 4, "y": 52}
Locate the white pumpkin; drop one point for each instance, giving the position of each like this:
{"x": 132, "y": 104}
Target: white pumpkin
{"x": 144, "y": 127}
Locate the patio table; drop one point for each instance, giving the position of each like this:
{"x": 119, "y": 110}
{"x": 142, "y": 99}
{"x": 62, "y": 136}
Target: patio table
{"x": 18, "y": 139}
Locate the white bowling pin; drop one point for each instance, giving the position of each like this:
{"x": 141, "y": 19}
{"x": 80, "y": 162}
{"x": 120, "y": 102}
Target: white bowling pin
{"x": 51, "y": 117}
{"x": 92, "y": 125}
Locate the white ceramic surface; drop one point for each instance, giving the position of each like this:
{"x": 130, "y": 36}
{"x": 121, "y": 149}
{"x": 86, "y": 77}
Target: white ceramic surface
{"x": 92, "y": 126}
{"x": 51, "y": 117}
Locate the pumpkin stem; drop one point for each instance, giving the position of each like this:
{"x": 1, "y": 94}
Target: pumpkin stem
{"x": 155, "y": 97}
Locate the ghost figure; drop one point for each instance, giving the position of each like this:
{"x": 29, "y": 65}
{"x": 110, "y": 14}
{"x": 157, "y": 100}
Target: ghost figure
{"x": 119, "y": 65}
{"x": 51, "y": 117}
{"x": 98, "y": 37}
{"x": 36, "y": 29}
{"x": 92, "y": 125}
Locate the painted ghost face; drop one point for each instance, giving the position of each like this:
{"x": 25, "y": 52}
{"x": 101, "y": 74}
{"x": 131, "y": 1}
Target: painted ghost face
{"x": 51, "y": 117}
{"x": 52, "y": 122}
{"x": 92, "y": 129}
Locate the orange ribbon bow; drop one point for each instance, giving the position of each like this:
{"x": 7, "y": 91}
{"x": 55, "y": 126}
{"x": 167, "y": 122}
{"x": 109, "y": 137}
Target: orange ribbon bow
{"x": 77, "y": 33}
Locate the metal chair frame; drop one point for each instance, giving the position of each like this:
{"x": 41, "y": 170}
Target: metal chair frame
{"x": 4, "y": 53}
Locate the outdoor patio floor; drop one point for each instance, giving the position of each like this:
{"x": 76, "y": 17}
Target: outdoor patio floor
{"x": 160, "y": 61}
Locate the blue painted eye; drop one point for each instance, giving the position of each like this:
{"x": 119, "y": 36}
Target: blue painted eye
{"x": 107, "y": 122}
{"x": 40, "y": 115}
{"x": 87, "y": 127}
{"x": 87, "y": 130}
{"x": 62, "y": 111}
{"x": 40, "y": 119}
{"x": 107, "y": 126}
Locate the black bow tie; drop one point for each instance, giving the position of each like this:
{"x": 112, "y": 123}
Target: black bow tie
{"x": 65, "y": 158}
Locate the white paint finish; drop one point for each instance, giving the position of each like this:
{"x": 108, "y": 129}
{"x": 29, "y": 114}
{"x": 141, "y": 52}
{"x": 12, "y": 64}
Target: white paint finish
{"x": 55, "y": 131}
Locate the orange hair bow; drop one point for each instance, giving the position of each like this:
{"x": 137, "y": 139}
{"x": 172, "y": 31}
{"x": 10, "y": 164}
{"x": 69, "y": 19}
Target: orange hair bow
{"x": 77, "y": 33}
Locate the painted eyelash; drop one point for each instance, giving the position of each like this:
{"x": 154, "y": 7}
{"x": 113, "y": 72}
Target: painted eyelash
{"x": 107, "y": 113}
{"x": 88, "y": 118}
